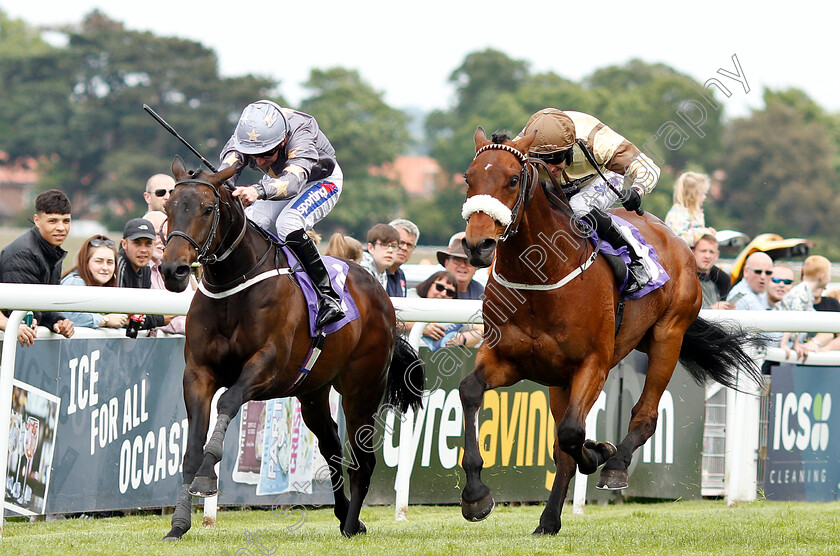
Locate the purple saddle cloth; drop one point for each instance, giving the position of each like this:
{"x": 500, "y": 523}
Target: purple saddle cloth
{"x": 649, "y": 258}
{"x": 338, "y": 275}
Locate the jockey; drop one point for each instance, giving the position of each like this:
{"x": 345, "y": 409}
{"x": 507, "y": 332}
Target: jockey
{"x": 578, "y": 150}
{"x": 301, "y": 184}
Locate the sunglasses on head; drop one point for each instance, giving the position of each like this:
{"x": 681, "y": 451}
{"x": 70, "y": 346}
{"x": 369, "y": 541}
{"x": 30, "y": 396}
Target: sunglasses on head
{"x": 441, "y": 288}
{"x": 785, "y": 281}
{"x": 765, "y": 272}
{"x": 162, "y": 192}
{"x": 557, "y": 157}
{"x": 96, "y": 242}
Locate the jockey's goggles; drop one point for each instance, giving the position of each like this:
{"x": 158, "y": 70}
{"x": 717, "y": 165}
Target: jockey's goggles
{"x": 267, "y": 154}
{"x": 557, "y": 157}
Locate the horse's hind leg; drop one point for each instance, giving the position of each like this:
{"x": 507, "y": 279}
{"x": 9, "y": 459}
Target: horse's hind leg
{"x": 198, "y": 395}
{"x": 315, "y": 410}
{"x": 662, "y": 358}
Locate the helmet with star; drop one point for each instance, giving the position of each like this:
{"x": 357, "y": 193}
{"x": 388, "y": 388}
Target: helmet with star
{"x": 262, "y": 126}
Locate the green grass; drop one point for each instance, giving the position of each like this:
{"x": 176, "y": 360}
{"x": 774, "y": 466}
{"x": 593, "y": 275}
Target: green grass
{"x": 697, "y": 527}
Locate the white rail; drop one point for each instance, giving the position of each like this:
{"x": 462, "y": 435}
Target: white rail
{"x": 25, "y": 297}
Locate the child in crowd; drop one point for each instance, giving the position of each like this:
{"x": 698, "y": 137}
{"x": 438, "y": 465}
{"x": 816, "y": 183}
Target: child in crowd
{"x": 383, "y": 241}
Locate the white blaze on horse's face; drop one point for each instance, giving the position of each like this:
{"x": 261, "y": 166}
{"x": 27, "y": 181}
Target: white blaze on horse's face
{"x": 490, "y": 206}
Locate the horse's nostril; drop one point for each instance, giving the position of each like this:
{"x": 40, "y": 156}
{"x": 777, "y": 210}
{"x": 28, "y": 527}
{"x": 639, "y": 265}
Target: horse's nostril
{"x": 182, "y": 271}
{"x": 487, "y": 245}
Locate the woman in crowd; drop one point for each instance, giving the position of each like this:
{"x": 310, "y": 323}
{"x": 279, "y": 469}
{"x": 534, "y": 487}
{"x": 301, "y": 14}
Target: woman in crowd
{"x": 95, "y": 266}
{"x": 686, "y": 217}
{"x": 345, "y": 247}
{"x": 444, "y": 285}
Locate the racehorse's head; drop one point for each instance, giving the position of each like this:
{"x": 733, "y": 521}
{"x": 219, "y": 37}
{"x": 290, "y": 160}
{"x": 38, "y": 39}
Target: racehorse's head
{"x": 497, "y": 183}
{"x": 193, "y": 220}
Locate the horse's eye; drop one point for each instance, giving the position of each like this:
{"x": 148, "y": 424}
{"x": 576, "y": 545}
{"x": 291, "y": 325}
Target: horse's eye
{"x": 208, "y": 211}
{"x": 466, "y": 179}
{"x": 514, "y": 181}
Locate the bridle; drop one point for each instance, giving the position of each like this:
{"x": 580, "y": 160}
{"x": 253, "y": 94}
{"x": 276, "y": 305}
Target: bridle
{"x": 204, "y": 257}
{"x": 527, "y": 178}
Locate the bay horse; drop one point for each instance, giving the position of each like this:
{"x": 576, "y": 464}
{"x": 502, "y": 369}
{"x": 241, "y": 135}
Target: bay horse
{"x": 555, "y": 324}
{"x": 251, "y": 335}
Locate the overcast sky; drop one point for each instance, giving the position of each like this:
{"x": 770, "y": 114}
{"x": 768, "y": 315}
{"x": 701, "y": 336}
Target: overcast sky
{"x": 407, "y": 50}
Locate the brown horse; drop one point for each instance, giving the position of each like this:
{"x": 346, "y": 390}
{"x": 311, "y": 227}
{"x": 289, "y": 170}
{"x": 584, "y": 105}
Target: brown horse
{"x": 555, "y": 322}
{"x": 251, "y": 335}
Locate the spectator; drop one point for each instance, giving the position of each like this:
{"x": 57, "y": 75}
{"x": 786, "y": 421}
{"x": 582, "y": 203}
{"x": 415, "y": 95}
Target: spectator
{"x": 780, "y": 283}
{"x": 714, "y": 281}
{"x": 36, "y": 256}
{"x": 750, "y": 294}
{"x": 172, "y": 324}
{"x": 444, "y": 285}
{"x": 828, "y": 301}
{"x": 133, "y": 270}
{"x": 409, "y": 234}
{"x": 96, "y": 265}
{"x": 26, "y": 334}
{"x": 454, "y": 259}
{"x": 686, "y": 216}
{"x": 816, "y": 272}
{"x": 345, "y": 247}
{"x": 158, "y": 189}
{"x": 383, "y": 242}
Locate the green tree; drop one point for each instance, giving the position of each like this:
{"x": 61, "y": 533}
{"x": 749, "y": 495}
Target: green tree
{"x": 366, "y": 133}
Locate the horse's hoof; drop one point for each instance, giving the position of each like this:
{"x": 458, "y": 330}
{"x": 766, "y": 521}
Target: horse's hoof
{"x": 175, "y": 534}
{"x": 476, "y": 511}
{"x": 361, "y": 530}
{"x": 612, "y": 479}
{"x": 545, "y": 530}
{"x": 204, "y": 487}
{"x": 605, "y": 450}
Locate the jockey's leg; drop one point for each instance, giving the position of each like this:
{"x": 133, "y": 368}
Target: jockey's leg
{"x": 607, "y": 229}
{"x": 590, "y": 205}
{"x": 305, "y": 210}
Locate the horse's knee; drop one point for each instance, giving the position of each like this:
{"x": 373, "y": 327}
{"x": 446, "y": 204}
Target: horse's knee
{"x": 570, "y": 435}
{"x": 471, "y": 390}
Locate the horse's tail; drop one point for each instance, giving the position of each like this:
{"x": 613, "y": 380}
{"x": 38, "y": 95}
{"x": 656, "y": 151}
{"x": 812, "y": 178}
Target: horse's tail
{"x": 709, "y": 351}
{"x": 406, "y": 377}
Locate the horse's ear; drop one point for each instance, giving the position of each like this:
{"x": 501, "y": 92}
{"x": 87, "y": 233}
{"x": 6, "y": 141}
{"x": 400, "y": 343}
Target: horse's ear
{"x": 480, "y": 138}
{"x": 524, "y": 143}
{"x": 224, "y": 175}
{"x": 179, "y": 170}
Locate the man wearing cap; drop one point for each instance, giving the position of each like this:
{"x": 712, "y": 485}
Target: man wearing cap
{"x": 135, "y": 254}
{"x": 455, "y": 261}
{"x": 158, "y": 189}
{"x": 581, "y": 153}
{"x": 301, "y": 184}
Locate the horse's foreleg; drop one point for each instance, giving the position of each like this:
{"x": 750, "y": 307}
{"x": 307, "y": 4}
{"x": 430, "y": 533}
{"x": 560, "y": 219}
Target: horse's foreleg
{"x": 198, "y": 394}
{"x": 243, "y": 390}
{"x": 315, "y": 410}
{"x": 586, "y": 386}
{"x": 565, "y": 470}
{"x": 662, "y": 358}
{"x": 476, "y": 500}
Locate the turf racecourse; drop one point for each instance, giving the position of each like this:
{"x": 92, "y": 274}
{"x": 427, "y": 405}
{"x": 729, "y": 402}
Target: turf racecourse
{"x": 696, "y": 527}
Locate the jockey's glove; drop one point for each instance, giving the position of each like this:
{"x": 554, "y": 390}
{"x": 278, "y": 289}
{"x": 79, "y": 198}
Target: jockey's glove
{"x": 632, "y": 201}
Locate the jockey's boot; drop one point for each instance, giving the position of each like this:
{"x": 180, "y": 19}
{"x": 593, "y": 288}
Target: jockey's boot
{"x": 606, "y": 228}
{"x": 329, "y": 302}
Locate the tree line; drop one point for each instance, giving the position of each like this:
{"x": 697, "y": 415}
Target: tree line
{"x": 76, "y": 107}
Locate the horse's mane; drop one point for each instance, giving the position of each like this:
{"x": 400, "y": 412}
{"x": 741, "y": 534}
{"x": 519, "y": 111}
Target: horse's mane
{"x": 501, "y": 136}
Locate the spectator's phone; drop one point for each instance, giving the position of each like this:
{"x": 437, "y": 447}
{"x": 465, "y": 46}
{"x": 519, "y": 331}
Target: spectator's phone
{"x": 736, "y": 298}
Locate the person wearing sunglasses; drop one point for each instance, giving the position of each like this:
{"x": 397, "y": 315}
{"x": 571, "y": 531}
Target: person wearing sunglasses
{"x": 383, "y": 242}
{"x": 714, "y": 282}
{"x": 158, "y": 189}
{"x": 301, "y": 183}
{"x": 96, "y": 265}
{"x": 581, "y": 153}
{"x": 781, "y": 281}
{"x": 816, "y": 273}
{"x": 36, "y": 256}
{"x": 444, "y": 285}
{"x": 750, "y": 294}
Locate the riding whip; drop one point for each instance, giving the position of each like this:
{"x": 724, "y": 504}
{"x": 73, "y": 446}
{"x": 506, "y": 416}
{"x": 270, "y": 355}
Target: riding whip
{"x": 171, "y": 130}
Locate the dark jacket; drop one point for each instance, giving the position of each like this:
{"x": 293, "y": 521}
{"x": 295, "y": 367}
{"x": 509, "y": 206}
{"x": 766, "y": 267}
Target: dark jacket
{"x": 716, "y": 281}
{"x": 127, "y": 277}
{"x": 30, "y": 259}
